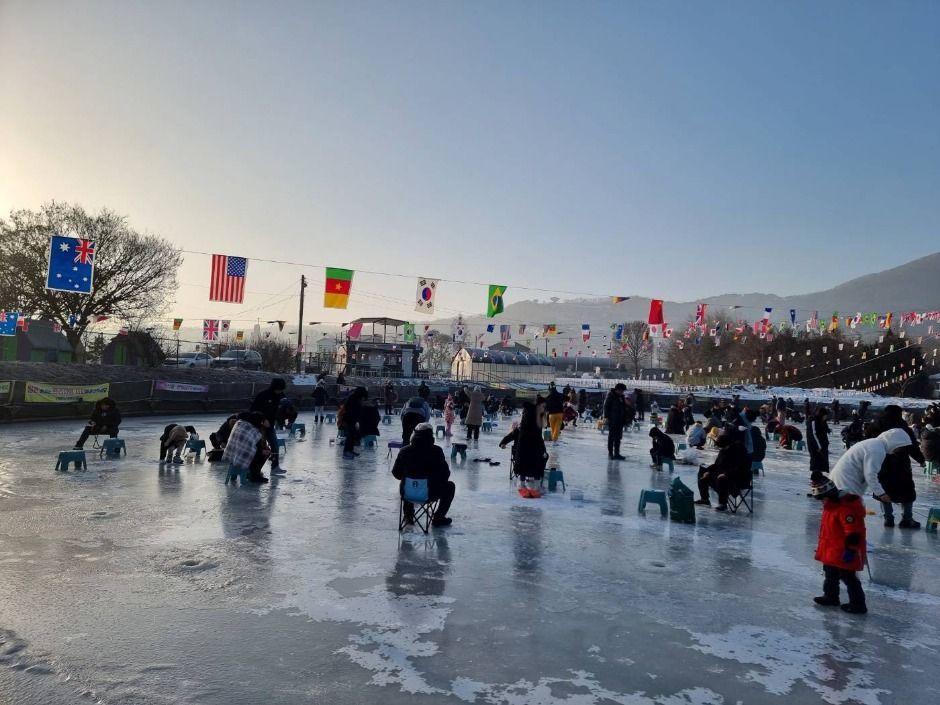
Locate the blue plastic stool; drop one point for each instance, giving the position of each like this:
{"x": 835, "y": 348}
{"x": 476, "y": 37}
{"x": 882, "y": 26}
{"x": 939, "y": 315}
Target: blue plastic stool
{"x": 370, "y": 441}
{"x": 682, "y": 446}
{"x": 393, "y": 445}
{"x": 554, "y": 477}
{"x": 387, "y": 420}
{"x": 546, "y": 435}
{"x": 196, "y": 447}
{"x": 653, "y": 497}
{"x": 71, "y": 456}
{"x": 438, "y": 414}
{"x": 458, "y": 449}
{"x": 670, "y": 462}
{"x": 281, "y": 443}
{"x": 300, "y": 428}
{"x": 112, "y": 448}
{"x": 757, "y": 467}
{"x": 440, "y": 430}
{"x": 800, "y": 445}
{"x": 331, "y": 418}
{"x": 487, "y": 426}
{"x": 933, "y": 468}
{"x": 636, "y": 426}
{"x": 604, "y": 428}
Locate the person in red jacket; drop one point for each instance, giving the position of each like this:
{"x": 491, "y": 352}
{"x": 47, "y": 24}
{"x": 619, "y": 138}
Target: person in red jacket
{"x": 841, "y": 547}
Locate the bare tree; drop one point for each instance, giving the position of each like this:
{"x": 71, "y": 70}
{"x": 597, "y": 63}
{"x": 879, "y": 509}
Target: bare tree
{"x": 277, "y": 355}
{"x": 437, "y": 352}
{"x": 635, "y": 347}
{"x": 135, "y": 274}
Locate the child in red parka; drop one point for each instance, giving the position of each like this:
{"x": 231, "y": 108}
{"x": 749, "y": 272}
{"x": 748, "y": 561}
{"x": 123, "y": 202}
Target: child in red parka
{"x": 841, "y": 547}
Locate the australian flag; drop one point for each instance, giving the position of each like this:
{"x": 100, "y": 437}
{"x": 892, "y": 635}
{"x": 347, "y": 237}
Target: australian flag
{"x": 71, "y": 264}
{"x": 8, "y": 322}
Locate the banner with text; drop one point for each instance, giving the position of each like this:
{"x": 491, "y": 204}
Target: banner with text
{"x": 64, "y": 393}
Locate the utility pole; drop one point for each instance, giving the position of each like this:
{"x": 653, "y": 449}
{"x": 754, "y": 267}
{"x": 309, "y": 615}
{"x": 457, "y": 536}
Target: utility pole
{"x": 300, "y": 325}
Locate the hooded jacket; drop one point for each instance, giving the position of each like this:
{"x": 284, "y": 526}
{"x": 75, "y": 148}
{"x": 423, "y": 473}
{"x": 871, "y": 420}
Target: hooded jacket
{"x": 106, "y": 418}
{"x": 268, "y": 401}
{"x": 857, "y": 470}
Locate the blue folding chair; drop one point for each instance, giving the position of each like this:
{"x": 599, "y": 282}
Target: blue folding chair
{"x": 416, "y": 492}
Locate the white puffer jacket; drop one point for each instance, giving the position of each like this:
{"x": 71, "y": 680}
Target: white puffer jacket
{"x": 858, "y": 468}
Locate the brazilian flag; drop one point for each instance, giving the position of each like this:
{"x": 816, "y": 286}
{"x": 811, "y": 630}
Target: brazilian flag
{"x": 494, "y": 304}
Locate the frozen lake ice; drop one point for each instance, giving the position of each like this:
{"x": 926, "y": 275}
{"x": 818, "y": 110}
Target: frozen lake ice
{"x": 136, "y": 583}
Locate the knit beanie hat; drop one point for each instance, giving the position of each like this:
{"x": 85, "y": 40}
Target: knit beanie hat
{"x": 821, "y": 485}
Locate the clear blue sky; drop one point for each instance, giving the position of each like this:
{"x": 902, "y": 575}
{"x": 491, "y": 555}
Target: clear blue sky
{"x": 665, "y": 149}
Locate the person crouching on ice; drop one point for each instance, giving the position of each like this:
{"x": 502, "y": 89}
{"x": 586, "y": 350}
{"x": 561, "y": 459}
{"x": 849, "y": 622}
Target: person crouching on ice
{"x": 841, "y": 547}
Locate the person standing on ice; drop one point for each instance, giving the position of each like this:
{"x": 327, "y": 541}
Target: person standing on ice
{"x": 639, "y": 403}
{"x": 267, "y": 403}
{"x": 474, "y": 414}
{"x": 817, "y": 440}
{"x": 896, "y": 474}
{"x": 615, "y": 413}
{"x": 841, "y": 547}
{"x": 450, "y": 415}
{"x": 555, "y": 408}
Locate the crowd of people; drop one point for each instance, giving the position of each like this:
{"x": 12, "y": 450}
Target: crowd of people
{"x": 877, "y": 461}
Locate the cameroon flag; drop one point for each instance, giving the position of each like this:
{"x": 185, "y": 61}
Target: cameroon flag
{"x": 338, "y": 284}
{"x": 494, "y": 304}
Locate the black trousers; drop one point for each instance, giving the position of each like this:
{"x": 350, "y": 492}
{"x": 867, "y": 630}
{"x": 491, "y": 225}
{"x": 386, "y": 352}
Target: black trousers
{"x": 709, "y": 478}
{"x": 352, "y": 437}
{"x": 853, "y": 585}
{"x": 473, "y": 431}
{"x": 614, "y": 436}
{"x": 445, "y": 496}
{"x": 388, "y": 408}
{"x": 89, "y": 430}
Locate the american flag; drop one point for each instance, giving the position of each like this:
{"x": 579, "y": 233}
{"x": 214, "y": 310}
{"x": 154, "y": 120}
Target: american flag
{"x": 228, "y": 279}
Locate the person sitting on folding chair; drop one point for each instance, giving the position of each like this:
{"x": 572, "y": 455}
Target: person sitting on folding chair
{"x": 105, "y": 418}
{"x": 421, "y": 459}
{"x": 528, "y": 450}
{"x": 730, "y": 473}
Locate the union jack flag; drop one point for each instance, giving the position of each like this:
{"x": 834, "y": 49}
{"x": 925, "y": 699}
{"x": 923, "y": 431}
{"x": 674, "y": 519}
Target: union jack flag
{"x": 84, "y": 251}
{"x": 210, "y": 330}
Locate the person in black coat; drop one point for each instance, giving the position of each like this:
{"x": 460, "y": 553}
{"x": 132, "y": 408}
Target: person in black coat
{"x": 663, "y": 448}
{"x": 639, "y": 402}
{"x": 896, "y": 476}
{"x": 267, "y": 403}
{"x": 854, "y": 432}
{"x": 835, "y": 407}
{"x": 105, "y": 418}
{"x": 423, "y": 460}
{"x": 220, "y": 437}
{"x": 528, "y": 450}
{"x": 674, "y": 423}
{"x": 369, "y": 420}
{"x": 817, "y": 440}
{"x": 352, "y": 413}
{"x": 730, "y": 472}
{"x": 688, "y": 418}
{"x": 615, "y": 412}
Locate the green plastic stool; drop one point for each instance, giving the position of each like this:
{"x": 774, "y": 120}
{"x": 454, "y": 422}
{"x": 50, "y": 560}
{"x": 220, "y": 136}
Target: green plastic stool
{"x": 800, "y": 445}
{"x": 757, "y": 467}
{"x": 554, "y": 477}
{"x": 370, "y": 441}
{"x": 458, "y": 449}
{"x": 670, "y": 462}
{"x": 932, "y": 468}
{"x": 440, "y": 430}
{"x": 331, "y": 418}
{"x": 300, "y": 428}
{"x": 653, "y": 497}
{"x": 933, "y": 519}
{"x": 546, "y": 435}
{"x": 487, "y": 426}
{"x": 682, "y": 446}
{"x": 281, "y": 443}
{"x": 387, "y": 420}
{"x": 71, "y": 456}
{"x": 112, "y": 448}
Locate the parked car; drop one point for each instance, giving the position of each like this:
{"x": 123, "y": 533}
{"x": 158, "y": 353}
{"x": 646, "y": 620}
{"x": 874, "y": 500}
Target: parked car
{"x": 189, "y": 359}
{"x": 245, "y": 359}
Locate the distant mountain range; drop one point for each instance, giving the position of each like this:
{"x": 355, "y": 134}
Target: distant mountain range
{"x": 914, "y": 286}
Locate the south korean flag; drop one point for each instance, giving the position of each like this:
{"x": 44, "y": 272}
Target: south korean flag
{"x": 424, "y": 300}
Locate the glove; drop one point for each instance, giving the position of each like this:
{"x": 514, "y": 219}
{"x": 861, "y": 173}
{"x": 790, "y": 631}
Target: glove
{"x": 848, "y": 555}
